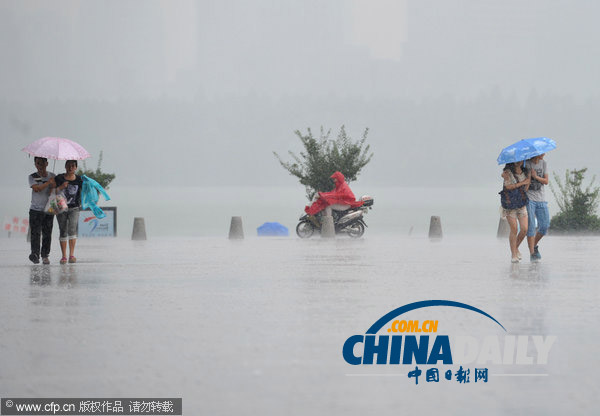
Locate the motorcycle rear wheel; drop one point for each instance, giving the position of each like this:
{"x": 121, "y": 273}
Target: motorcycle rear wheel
{"x": 356, "y": 230}
{"x": 305, "y": 229}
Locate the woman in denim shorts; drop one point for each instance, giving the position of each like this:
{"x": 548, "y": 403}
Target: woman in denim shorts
{"x": 516, "y": 176}
{"x": 70, "y": 185}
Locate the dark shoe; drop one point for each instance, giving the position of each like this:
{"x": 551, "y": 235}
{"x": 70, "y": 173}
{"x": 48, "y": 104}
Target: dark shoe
{"x": 45, "y": 260}
{"x": 533, "y": 258}
{"x": 536, "y": 252}
{"x": 35, "y": 259}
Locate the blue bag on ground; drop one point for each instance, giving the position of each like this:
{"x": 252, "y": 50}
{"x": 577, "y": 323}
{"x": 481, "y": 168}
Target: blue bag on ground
{"x": 272, "y": 229}
{"x": 89, "y": 196}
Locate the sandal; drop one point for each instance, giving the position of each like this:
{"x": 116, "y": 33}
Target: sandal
{"x": 63, "y": 260}
{"x": 72, "y": 259}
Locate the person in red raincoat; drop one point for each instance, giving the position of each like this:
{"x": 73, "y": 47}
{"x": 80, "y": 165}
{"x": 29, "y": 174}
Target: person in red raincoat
{"x": 340, "y": 196}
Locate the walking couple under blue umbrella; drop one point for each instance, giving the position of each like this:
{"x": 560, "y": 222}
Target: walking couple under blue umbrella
{"x": 523, "y": 197}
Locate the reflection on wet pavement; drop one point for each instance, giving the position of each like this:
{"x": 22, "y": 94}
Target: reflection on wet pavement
{"x": 257, "y": 326}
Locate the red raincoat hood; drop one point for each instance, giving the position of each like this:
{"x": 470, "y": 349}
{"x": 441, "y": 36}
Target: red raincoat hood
{"x": 342, "y": 191}
{"x": 339, "y": 176}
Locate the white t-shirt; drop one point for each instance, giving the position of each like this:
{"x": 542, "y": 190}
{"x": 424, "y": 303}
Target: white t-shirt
{"x": 39, "y": 199}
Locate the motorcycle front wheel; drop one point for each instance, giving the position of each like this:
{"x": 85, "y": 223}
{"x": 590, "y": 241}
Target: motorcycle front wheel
{"x": 356, "y": 230}
{"x": 305, "y": 229}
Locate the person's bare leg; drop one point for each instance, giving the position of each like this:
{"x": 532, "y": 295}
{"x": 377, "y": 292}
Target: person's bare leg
{"x": 72, "y": 242}
{"x": 523, "y": 222}
{"x": 531, "y": 243}
{"x": 512, "y": 236}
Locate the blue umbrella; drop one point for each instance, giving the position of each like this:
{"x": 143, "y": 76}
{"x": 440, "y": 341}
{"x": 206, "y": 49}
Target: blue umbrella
{"x": 272, "y": 229}
{"x": 526, "y": 149}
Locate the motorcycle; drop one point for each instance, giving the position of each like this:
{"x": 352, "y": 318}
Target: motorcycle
{"x": 350, "y": 221}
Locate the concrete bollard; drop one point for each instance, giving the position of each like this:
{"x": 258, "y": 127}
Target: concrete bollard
{"x": 503, "y": 228}
{"x": 435, "y": 227}
{"x": 139, "y": 229}
{"x": 236, "y": 230}
{"x": 327, "y": 227}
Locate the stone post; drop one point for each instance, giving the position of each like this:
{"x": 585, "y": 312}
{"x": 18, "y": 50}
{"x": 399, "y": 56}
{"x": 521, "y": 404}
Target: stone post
{"x": 139, "y": 229}
{"x": 236, "y": 230}
{"x": 435, "y": 227}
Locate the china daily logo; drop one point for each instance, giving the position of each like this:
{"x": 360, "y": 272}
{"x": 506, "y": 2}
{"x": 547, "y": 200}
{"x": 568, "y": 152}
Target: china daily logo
{"x": 394, "y": 341}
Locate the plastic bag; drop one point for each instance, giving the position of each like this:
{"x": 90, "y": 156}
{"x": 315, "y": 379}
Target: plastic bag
{"x": 90, "y": 191}
{"x": 56, "y": 204}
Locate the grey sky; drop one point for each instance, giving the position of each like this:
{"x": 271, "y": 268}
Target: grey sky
{"x": 207, "y": 90}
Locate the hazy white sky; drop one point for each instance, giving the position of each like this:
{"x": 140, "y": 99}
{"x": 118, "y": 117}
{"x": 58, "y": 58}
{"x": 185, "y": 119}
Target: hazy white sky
{"x": 153, "y": 48}
{"x": 179, "y": 48}
{"x": 218, "y": 85}
{"x": 380, "y": 26}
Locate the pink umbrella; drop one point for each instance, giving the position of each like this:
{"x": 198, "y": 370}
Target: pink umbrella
{"x": 57, "y": 148}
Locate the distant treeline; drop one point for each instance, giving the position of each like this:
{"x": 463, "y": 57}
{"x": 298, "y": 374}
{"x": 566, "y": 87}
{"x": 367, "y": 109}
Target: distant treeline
{"x": 436, "y": 141}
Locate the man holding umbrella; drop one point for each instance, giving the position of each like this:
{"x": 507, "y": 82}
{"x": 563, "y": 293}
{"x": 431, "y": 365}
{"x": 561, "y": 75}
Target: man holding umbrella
{"x": 537, "y": 207}
{"x": 40, "y": 223}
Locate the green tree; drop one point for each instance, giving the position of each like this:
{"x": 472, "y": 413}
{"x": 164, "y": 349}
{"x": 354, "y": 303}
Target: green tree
{"x": 577, "y": 205}
{"x": 322, "y": 156}
{"x": 104, "y": 179}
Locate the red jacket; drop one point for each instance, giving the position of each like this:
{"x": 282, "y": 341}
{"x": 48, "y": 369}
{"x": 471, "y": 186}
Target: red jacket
{"x": 340, "y": 195}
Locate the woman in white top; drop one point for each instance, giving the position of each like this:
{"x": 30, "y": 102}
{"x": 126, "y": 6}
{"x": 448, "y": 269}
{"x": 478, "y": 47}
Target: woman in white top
{"x": 516, "y": 176}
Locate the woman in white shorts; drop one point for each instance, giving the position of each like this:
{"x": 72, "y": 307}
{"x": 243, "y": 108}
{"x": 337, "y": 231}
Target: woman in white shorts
{"x": 516, "y": 176}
